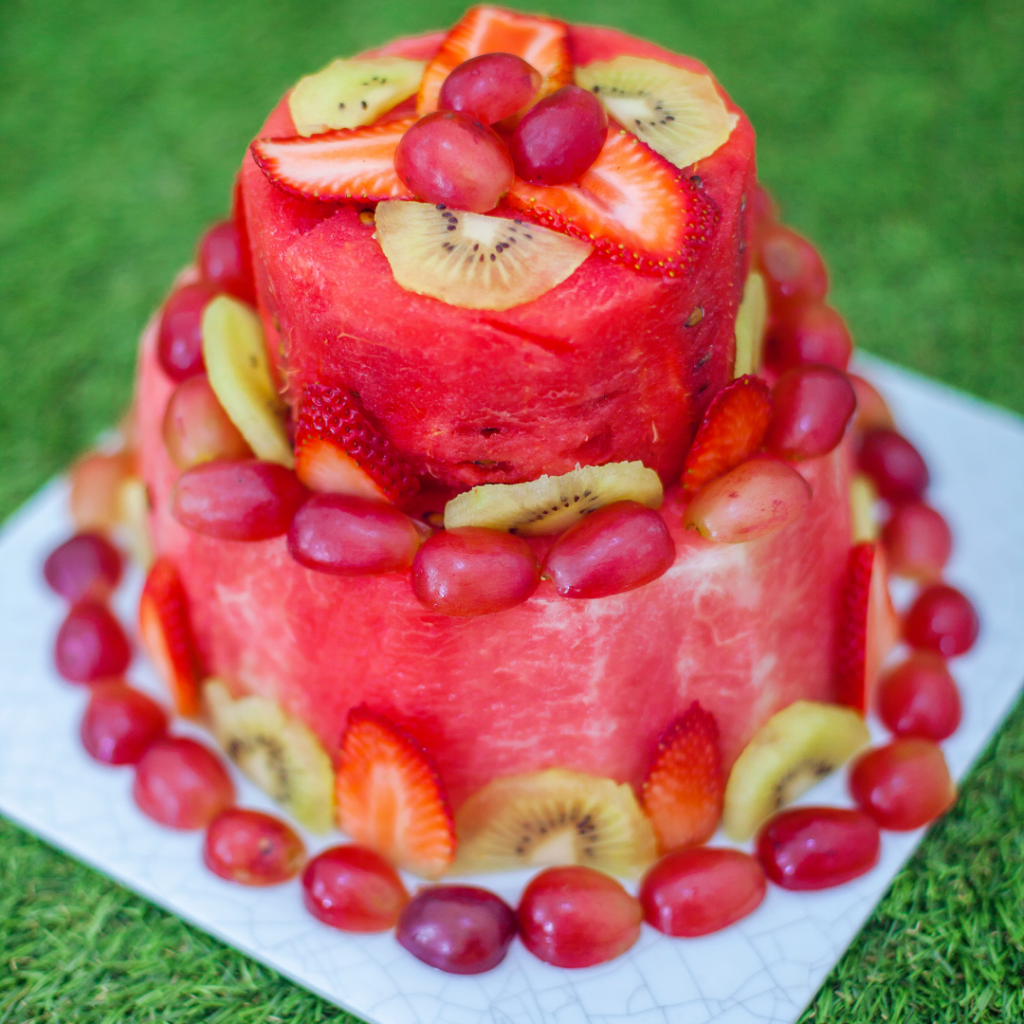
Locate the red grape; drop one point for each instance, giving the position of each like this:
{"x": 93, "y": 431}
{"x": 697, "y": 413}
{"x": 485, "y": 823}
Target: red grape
{"x": 197, "y": 429}
{"x": 917, "y": 541}
{"x": 225, "y": 262}
{"x": 560, "y": 137}
{"x": 817, "y": 847}
{"x": 577, "y": 917}
{"x": 919, "y": 698}
{"x": 457, "y": 928}
{"x": 619, "y": 547}
{"x": 450, "y": 159}
{"x": 474, "y": 571}
{"x": 811, "y": 407}
{"x": 490, "y": 87}
{"x": 701, "y": 890}
{"x": 87, "y": 565}
{"x": 894, "y": 464}
{"x": 180, "y": 341}
{"x": 91, "y": 644}
{"x": 794, "y": 270}
{"x": 904, "y": 784}
{"x": 872, "y": 410}
{"x": 353, "y": 888}
{"x": 121, "y": 723}
{"x": 181, "y": 784}
{"x": 350, "y": 536}
{"x": 246, "y": 500}
{"x": 812, "y": 333}
{"x": 96, "y": 482}
{"x": 252, "y": 848}
{"x": 942, "y": 620}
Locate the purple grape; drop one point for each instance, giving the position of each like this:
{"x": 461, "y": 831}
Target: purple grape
{"x": 490, "y": 87}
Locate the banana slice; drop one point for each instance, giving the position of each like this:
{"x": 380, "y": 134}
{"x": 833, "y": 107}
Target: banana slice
{"x": 553, "y": 817}
{"x": 552, "y": 504}
{"x": 236, "y": 364}
{"x": 751, "y": 318}
{"x": 793, "y": 750}
{"x": 279, "y": 753}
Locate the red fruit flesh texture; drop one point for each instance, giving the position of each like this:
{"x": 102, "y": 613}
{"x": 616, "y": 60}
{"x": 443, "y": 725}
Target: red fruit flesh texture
{"x": 473, "y": 571}
{"x": 224, "y": 263}
{"x": 91, "y": 644}
{"x": 811, "y": 407}
{"x": 120, "y": 724}
{"x": 181, "y": 340}
{"x": 699, "y": 891}
{"x": 918, "y": 541}
{"x": 817, "y": 847}
{"x": 84, "y": 566}
{"x": 811, "y": 333}
{"x": 617, "y": 548}
{"x": 490, "y": 87}
{"x": 560, "y": 137}
{"x": 237, "y": 500}
{"x": 181, "y": 784}
{"x": 903, "y": 785}
{"x": 450, "y": 159}
{"x": 458, "y": 929}
{"x": 795, "y": 272}
{"x": 919, "y": 697}
{"x": 577, "y": 917}
{"x": 467, "y": 390}
{"x": 252, "y": 848}
{"x": 196, "y": 427}
{"x": 942, "y": 620}
{"x": 354, "y": 889}
{"x": 894, "y": 465}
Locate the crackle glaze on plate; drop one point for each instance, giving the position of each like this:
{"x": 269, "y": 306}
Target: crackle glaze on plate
{"x": 764, "y": 969}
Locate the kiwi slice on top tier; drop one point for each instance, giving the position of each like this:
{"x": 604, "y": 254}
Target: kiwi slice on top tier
{"x": 678, "y": 113}
{"x": 551, "y": 504}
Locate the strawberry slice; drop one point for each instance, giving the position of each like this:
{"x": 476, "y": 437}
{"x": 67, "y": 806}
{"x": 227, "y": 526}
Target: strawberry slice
{"x": 166, "y": 633}
{"x": 542, "y": 42}
{"x": 390, "y": 797}
{"x": 683, "y": 791}
{"x": 347, "y": 165}
{"x": 337, "y": 449}
{"x": 732, "y": 430}
{"x": 868, "y": 626}
{"x": 631, "y": 204}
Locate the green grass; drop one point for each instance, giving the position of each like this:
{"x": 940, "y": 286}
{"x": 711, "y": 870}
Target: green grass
{"x": 890, "y": 131}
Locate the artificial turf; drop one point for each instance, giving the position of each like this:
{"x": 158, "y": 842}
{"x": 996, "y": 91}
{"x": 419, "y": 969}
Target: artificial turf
{"x": 890, "y": 130}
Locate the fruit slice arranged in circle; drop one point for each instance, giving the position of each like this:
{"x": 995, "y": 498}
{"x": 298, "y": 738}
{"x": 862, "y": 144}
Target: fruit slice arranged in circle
{"x": 751, "y": 320}
{"x": 553, "y": 817}
{"x": 864, "y": 524}
{"x": 633, "y": 205}
{"x": 542, "y": 42}
{"x": 793, "y": 750}
{"x": 355, "y": 164}
{"x": 279, "y": 753}
{"x": 731, "y": 431}
{"x": 236, "y": 364}
{"x": 471, "y": 260}
{"x": 678, "y": 113}
{"x": 352, "y": 93}
{"x": 390, "y": 796}
{"x": 338, "y": 450}
{"x": 551, "y": 504}
{"x": 682, "y": 793}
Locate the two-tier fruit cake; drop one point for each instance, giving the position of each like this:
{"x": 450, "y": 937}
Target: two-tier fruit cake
{"x": 512, "y": 507}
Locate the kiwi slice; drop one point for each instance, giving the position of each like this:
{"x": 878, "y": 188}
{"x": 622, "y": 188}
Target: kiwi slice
{"x": 553, "y": 817}
{"x": 678, "y": 113}
{"x": 793, "y": 750}
{"x": 279, "y": 753}
{"x": 751, "y": 318}
{"x": 351, "y": 93}
{"x": 864, "y": 525}
{"x": 473, "y": 260}
{"x": 551, "y": 504}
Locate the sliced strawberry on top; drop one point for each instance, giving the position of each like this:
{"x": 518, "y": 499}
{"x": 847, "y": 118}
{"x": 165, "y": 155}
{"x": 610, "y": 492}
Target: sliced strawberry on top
{"x": 337, "y": 449}
{"x": 390, "y": 797}
{"x": 542, "y": 42}
{"x": 631, "y": 204}
{"x": 683, "y": 791}
{"x": 350, "y": 164}
{"x": 166, "y": 632}
{"x": 732, "y": 430}
{"x": 868, "y": 626}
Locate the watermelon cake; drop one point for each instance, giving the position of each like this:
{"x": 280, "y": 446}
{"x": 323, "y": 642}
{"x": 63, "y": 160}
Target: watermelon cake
{"x": 508, "y": 505}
